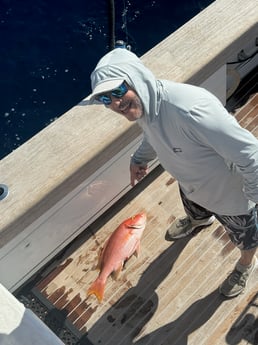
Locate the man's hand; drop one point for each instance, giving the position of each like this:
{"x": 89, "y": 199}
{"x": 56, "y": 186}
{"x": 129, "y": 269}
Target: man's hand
{"x": 137, "y": 172}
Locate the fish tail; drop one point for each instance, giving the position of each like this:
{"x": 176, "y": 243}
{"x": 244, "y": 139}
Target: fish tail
{"x": 97, "y": 288}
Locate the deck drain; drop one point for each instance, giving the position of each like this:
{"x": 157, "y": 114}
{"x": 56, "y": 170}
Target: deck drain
{"x": 55, "y": 319}
{"x": 3, "y": 191}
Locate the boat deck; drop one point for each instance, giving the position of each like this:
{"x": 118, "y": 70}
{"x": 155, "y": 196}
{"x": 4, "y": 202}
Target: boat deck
{"x": 169, "y": 294}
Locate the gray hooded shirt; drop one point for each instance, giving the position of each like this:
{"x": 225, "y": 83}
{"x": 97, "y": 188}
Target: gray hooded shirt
{"x": 196, "y": 140}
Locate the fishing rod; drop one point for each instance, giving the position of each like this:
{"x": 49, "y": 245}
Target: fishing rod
{"x": 112, "y": 23}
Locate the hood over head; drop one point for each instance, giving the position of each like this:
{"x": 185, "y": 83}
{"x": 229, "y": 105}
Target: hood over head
{"x": 122, "y": 65}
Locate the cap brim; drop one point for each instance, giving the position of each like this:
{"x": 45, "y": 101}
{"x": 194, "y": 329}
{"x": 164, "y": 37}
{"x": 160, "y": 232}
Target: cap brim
{"x": 103, "y": 87}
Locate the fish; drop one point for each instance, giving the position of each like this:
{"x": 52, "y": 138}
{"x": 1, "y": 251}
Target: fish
{"x": 118, "y": 248}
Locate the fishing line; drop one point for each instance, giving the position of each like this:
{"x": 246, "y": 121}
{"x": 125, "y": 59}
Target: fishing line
{"x": 124, "y": 19}
{"x": 111, "y": 22}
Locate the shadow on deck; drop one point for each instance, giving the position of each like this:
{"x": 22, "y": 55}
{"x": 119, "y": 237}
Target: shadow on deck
{"x": 166, "y": 296}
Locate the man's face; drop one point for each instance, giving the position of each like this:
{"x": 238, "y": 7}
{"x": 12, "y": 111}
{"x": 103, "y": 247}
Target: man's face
{"x": 129, "y": 105}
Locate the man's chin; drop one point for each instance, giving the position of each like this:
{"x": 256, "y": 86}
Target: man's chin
{"x": 133, "y": 117}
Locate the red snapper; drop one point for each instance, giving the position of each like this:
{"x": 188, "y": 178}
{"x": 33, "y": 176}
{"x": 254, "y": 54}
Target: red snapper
{"x": 120, "y": 246}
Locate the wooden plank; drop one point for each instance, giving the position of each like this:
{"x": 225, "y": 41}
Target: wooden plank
{"x": 243, "y": 112}
{"x": 169, "y": 295}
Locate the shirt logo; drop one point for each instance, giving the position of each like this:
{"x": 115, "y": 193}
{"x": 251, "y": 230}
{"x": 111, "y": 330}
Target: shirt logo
{"x": 177, "y": 149}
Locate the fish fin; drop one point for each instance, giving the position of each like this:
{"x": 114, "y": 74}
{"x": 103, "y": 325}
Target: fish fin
{"x": 116, "y": 273}
{"x": 97, "y": 288}
{"x": 137, "y": 250}
{"x": 125, "y": 263}
{"x": 99, "y": 259}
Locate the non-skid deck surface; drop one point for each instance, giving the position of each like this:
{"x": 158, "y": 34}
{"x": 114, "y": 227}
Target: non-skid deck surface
{"x": 169, "y": 294}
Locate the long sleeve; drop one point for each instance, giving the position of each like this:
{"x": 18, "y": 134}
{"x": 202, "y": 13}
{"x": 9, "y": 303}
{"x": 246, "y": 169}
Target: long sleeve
{"x": 144, "y": 154}
{"x": 236, "y": 145}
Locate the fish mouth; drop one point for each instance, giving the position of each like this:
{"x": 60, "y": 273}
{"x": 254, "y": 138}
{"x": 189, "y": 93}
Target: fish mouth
{"x": 138, "y": 221}
{"x": 137, "y": 226}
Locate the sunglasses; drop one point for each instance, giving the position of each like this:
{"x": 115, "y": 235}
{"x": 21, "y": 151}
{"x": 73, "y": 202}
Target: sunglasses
{"x": 119, "y": 92}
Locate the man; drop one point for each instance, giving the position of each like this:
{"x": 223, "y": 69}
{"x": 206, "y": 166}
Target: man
{"x": 214, "y": 160}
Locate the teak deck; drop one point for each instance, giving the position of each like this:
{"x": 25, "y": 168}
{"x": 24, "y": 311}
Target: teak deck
{"x": 169, "y": 294}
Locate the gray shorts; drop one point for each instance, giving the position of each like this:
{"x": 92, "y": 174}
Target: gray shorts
{"x": 242, "y": 229}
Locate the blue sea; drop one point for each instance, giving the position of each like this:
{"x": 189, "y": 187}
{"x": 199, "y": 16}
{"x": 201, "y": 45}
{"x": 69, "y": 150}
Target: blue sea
{"x": 49, "y": 48}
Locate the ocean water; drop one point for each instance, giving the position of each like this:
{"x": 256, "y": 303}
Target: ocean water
{"x": 49, "y": 48}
